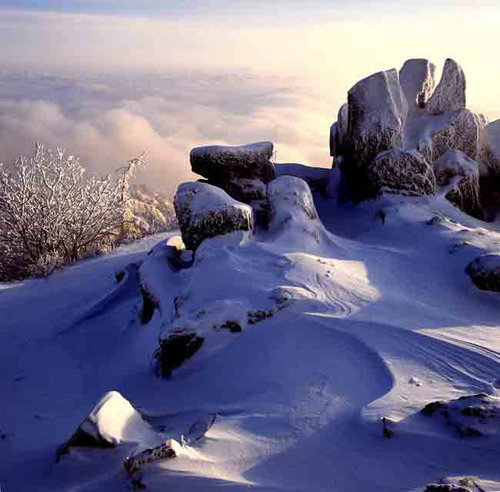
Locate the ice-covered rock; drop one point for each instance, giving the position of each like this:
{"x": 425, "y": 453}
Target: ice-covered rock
{"x": 204, "y": 211}
{"x": 450, "y": 93}
{"x": 461, "y": 174}
{"x": 113, "y": 421}
{"x": 454, "y": 485}
{"x": 376, "y": 117}
{"x": 222, "y": 164}
{"x": 417, "y": 81}
{"x": 491, "y": 147}
{"x": 460, "y": 131}
{"x": 290, "y": 201}
{"x": 470, "y": 416}
{"x": 338, "y": 131}
{"x": 402, "y": 171}
{"x": 245, "y": 190}
{"x": 484, "y": 271}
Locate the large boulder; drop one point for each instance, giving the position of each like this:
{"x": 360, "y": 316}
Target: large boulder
{"x": 402, "y": 171}
{"x": 338, "y": 131}
{"x": 491, "y": 147}
{"x": 455, "y": 170}
{"x": 450, "y": 93}
{"x": 484, "y": 271}
{"x": 316, "y": 177}
{"x": 222, "y": 164}
{"x": 290, "y": 201}
{"x": 470, "y": 416}
{"x": 460, "y": 131}
{"x": 112, "y": 421}
{"x": 205, "y": 211}
{"x": 377, "y": 111}
{"x": 417, "y": 81}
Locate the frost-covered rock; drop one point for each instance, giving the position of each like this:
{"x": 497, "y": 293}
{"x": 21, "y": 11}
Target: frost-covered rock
{"x": 461, "y": 174}
{"x": 450, "y": 93}
{"x": 377, "y": 113}
{"x": 338, "y": 131}
{"x": 402, "y": 170}
{"x": 113, "y": 421}
{"x": 484, "y": 271}
{"x": 491, "y": 147}
{"x": 245, "y": 190}
{"x": 417, "y": 81}
{"x": 222, "y": 164}
{"x": 176, "y": 349}
{"x": 460, "y": 131}
{"x": 470, "y": 416}
{"x": 290, "y": 200}
{"x": 205, "y": 211}
{"x": 454, "y": 485}
{"x": 334, "y": 137}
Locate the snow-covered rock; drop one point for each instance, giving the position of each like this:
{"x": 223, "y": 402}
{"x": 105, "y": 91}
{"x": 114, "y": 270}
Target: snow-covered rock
{"x": 176, "y": 349}
{"x": 450, "y": 93}
{"x": 417, "y": 81}
{"x": 221, "y": 164}
{"x": 377, "y": 113}
{"x": 491, "y": 146}
{"x": 484, "y": 271}
{"x": 461, "y": 131}
{"x": 245, "y": 190}
{"x": 455, "y": 170}
{"x": 471, "y": 416}
{"x": 338, "y": 131}
{"x": 454, "y": 485}
{"x": 204, "y": 211}
{"x": 403, "y": 171}
{"x": 113, "y": 421}
{"x": 290, "y": 200}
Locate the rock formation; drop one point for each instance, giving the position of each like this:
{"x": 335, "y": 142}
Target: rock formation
{"x": 484, "y": 271}
{"x": 417, "y": 81}
{"x": 402, "y": 170}
{"x": 450, "y": 93}
{"x": 461, "y": 174}
{"x": 204, "y": 211}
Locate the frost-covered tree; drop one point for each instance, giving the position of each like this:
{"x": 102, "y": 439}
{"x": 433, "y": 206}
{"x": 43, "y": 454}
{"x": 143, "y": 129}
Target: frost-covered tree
{"x": 52, "y": 211}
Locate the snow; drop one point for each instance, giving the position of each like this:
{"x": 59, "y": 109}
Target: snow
{"x": 380, "y": 320}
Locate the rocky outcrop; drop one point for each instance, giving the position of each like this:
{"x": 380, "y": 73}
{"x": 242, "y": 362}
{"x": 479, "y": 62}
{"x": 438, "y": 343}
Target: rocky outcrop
{"x": 450, "y": 93}
{"x": 484, "y": 271}
{"x": 461, "y": 174}
{"x": 377, "y": 111}
{"x": 454, "y": 485}
{"x": 470, "y": 416}
{"x": 290, "y": 201}
{"x": 403, "y": 171}
{"x": 490, "y": 155}
{"x": 205, "y": 211}
{"x": 338, "y": 131}
{"x": 460, "y": 131}
{"x": 237, "y": 170}
{"x": 113, "y": 421}
{"x": 417, "y": 81}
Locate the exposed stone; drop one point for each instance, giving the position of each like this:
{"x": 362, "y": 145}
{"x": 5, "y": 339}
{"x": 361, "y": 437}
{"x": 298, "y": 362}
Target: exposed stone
{"x": 290, "y": 200}
{"x": 484, "y": 271}
{"x": 491, "y": 147}
{"x": 205, "y": 211}
{"x": 450, "y": 93}
{"x": 338, "y": 131}
{"x": 176, "y": 349}
{"x": 112, "y": 421}
{"x": 377, "y": 113}
{"x": 417, "y": 81}
{"x": 462, "y": 131}
{"x": 454, "y": 485}
{"x": 246, "y": 190}
{"x": 334, "y": 137}
{"x": 402, "y": 171}
{"x": 461, "y": 174}
{"x": 470, "y": 416}
{"x": 224, "y": 164}
{"x": 316, "y": 177}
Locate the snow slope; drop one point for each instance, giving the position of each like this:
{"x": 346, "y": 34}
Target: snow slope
{"x": 382, "y": 320}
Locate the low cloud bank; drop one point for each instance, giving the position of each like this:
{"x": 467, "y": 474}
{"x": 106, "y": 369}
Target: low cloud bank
{"x": 106, "y": 120}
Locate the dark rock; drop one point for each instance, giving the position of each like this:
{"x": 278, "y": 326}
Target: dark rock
{"x": 176, "y": 349}
{"x": 484, "y": 271}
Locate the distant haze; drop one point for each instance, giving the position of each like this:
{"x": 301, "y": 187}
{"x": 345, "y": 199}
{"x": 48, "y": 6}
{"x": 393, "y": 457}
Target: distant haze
{"x": 107, "y": 80}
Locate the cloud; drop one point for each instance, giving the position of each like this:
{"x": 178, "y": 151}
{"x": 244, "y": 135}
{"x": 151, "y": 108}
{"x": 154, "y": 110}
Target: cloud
{"x": 106, "y": 120}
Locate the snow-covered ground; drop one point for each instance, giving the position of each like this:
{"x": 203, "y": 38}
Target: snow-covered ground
{"x": 381, "y": 319}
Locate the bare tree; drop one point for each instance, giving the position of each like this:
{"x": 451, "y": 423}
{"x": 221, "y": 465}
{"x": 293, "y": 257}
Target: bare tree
{"x": 50, "y": 208}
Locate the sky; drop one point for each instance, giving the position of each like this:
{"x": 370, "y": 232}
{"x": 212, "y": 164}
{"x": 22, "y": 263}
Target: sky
{"x": 107, "y": 79}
